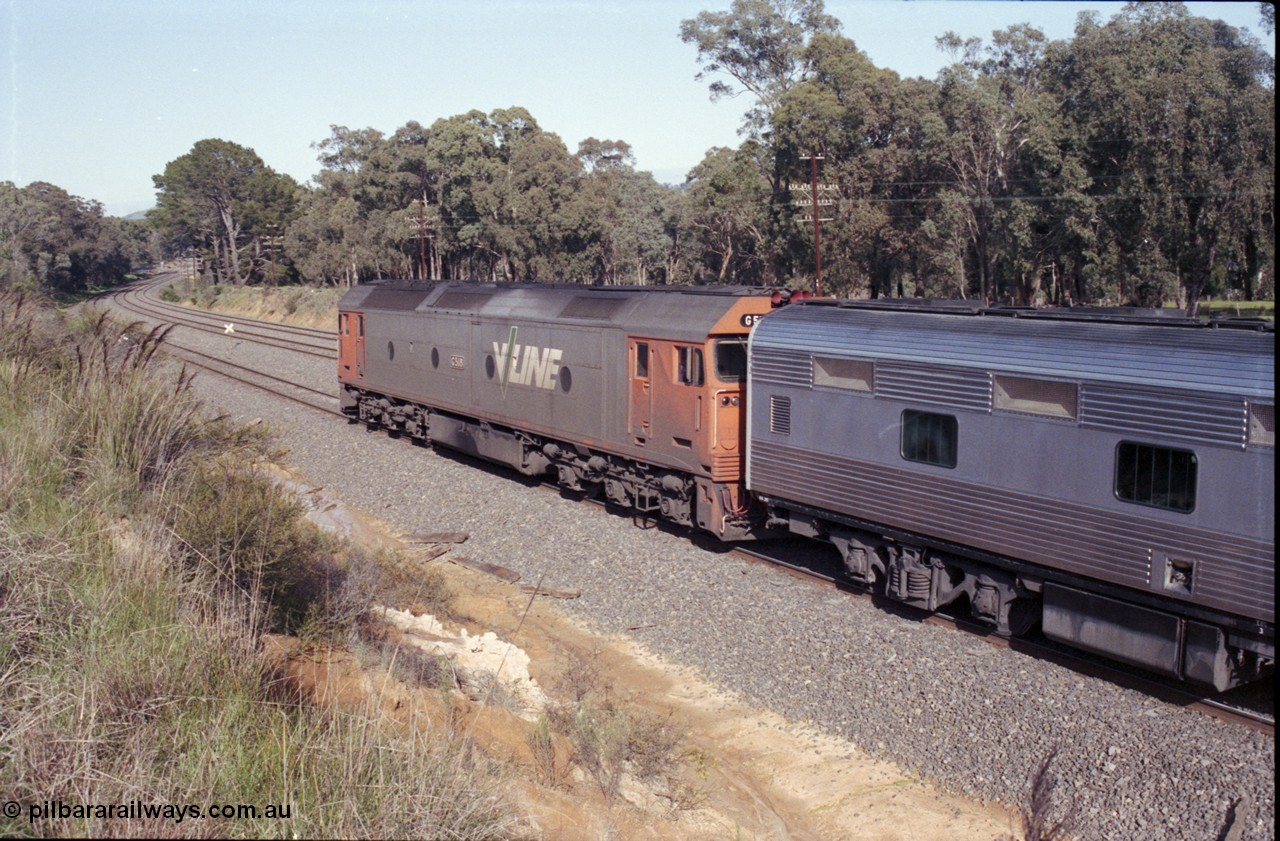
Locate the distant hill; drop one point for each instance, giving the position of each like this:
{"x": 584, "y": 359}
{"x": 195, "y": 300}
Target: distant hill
{"x": 140, "y": 216}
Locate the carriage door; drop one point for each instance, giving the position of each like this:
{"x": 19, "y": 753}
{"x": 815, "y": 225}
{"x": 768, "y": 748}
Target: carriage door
{"x": 640, "y": 391}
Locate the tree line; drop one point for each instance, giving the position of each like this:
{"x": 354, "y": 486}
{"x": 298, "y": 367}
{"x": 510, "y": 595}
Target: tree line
{"x": 63, "y": 244}
{"x": 1130, "y": 164}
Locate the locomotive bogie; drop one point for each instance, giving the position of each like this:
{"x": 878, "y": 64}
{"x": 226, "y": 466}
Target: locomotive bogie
{"x": 1109, "y": 479}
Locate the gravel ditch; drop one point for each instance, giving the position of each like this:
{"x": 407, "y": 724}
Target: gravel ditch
{"x": 970, "y": 717}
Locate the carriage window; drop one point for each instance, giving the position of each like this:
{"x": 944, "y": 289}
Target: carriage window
{"x": 928, "y": 438}
{"x": 1157, "y": 476}
{"x": 731, "y": 360}
{"x": 850, "y": 374}
{"x": 642, "y": 360}
{"x": 1034, "y": 397}
{"x": 689, "y": 365}
{"x": 1262, "y": 425}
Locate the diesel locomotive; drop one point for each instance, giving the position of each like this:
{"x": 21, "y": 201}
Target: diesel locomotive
{"x": 1108, "y": 477}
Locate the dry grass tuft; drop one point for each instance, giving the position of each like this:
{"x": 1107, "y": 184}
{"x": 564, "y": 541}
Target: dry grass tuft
{"x": 141, "y": 560}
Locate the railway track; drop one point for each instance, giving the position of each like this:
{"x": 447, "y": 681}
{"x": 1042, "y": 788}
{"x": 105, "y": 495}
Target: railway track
{"x": 1257, "y": 712}
{"x": 143, "y": 301}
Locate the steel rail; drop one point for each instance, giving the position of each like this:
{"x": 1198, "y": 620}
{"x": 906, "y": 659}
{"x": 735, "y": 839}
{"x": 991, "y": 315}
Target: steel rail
{"x": 136, "y": 301}
{"x": 1170, "y": 693}
{"x": 155, "y": 283}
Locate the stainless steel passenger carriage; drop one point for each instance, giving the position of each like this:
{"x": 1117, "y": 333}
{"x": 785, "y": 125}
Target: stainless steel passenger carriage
{"x": 1111, "y": 478}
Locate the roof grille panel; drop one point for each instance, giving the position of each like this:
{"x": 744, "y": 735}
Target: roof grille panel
{"x": 451, "y": 300}
{"x": 395, "y": 299}
{"x": 590, "y": 306}
{"x": 956, "y": 388}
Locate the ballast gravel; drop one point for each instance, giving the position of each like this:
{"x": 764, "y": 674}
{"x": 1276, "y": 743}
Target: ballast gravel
{"x": 970, "y": 717}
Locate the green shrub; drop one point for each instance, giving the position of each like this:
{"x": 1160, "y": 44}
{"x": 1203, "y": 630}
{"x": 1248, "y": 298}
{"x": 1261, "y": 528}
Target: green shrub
{"x": 611, "y": 738}
{"x": 141, "y": 559}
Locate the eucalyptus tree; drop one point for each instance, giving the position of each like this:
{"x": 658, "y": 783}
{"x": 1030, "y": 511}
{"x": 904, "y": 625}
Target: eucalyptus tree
{"x": 327, "y": 240}
{"x": 222, "y": 197}
{"x": 878, "y": 136}
{"x": 331, "y": 239}
{"x": 761, "y": 47}
{"x": 473, "y": 196}
{"x": 52, "y": 240}
{"x": 617, "y": 220}
{"x": 459, "y": 157}
{"x": 1178, "y": 115}
{"x": 397, "y": 191}
{"x": 727, "y": 213}
{"x": 531, "y": 184}
{"x": 1014, "y": 174}
{"x": 28, "y": 231}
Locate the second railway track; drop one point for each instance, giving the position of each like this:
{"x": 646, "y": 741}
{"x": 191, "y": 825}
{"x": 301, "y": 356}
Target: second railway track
{"x": 143, "y": 301}
{"x": 1137, "y": 766}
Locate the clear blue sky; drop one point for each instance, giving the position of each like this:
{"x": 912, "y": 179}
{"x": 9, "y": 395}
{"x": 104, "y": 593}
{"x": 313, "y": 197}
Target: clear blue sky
{"x": 96, "y": 96}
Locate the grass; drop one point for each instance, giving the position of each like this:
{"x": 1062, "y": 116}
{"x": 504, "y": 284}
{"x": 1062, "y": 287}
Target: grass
{"x": 306, "y": 306}
{"x": 610, "y": 738}
{"x": 141, "y": 560}
{"x": 1249, "y": 309}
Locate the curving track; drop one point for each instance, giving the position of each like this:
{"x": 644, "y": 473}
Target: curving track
{"x": 1142, "y": 764}
{"x": 142, "y": 299}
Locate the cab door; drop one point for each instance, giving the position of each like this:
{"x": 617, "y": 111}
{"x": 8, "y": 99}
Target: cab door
{"x": 678, "y": 381}
{"x": 351, "y": 346}
{"x": 640, "y": 391}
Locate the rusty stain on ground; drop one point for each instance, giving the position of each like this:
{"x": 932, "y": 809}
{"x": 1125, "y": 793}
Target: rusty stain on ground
{"x": 757, "y": 775}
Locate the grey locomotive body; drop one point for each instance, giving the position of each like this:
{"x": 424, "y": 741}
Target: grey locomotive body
{"x": 1112, "y": 480}
{"x": 633, "y": 393}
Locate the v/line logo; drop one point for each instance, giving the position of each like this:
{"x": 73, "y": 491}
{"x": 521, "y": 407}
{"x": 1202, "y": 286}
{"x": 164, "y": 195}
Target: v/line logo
{"x": 527, "y": 365}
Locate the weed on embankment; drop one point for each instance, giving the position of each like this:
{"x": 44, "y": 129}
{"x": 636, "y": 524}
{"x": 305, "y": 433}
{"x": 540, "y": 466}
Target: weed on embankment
{"x": 141, "y": 560}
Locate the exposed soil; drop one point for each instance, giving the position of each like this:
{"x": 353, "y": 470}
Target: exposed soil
{"x": 742, "y": 772}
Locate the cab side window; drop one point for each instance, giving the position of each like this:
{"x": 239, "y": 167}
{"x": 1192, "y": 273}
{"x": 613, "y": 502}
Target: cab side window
{"x": 689, "y": 366}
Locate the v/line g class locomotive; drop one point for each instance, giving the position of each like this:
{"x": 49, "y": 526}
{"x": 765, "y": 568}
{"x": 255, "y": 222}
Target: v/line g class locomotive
{"x": 1108, "y": 476}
